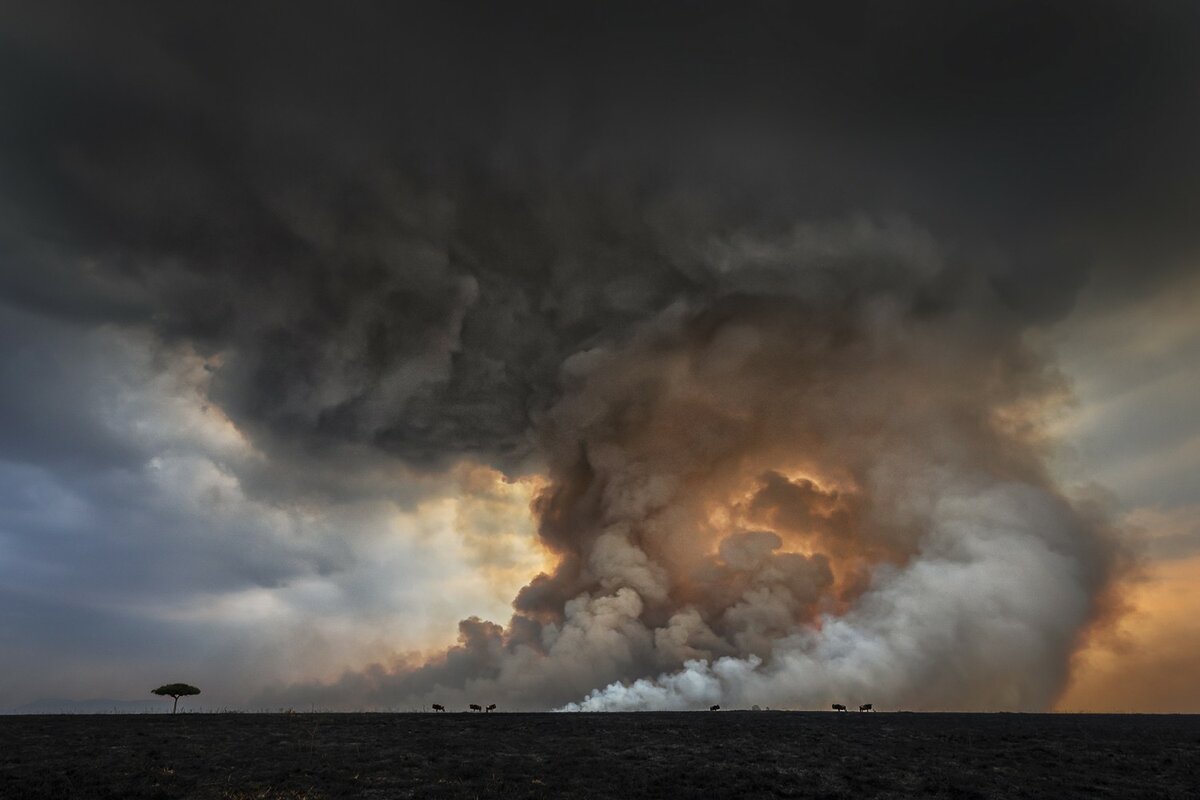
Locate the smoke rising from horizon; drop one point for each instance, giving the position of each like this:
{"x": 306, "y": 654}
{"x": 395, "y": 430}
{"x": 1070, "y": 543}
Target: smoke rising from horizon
{"x": 822, "y": 480}
{"x": 758, "y": 302}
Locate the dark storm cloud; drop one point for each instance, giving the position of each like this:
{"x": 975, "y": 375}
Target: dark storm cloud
{"x": 396, "y": 222}
{"x": 395, "y": 234}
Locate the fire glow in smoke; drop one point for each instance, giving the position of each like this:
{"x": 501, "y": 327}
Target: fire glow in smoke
{"x": 707, "y": 353}
{"x": 823, "y": 480}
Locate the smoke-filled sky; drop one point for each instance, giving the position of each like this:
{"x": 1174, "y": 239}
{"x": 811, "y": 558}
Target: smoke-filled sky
{"x": 601, "y": 356}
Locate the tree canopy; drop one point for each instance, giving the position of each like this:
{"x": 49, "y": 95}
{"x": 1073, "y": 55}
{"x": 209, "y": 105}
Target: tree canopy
{"x": 175, "y": 690}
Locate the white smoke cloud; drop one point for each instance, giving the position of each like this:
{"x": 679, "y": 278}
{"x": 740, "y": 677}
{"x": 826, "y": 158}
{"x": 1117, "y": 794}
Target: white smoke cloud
{"x": 981, "y": 618}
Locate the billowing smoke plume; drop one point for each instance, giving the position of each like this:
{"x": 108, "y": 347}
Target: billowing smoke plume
{"x": 749, "y": 287}
{"x": 821, "y": 480}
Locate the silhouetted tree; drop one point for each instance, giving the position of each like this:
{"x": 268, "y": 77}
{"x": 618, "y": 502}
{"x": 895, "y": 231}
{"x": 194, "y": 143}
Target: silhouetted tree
{"x": 176, "y": 690}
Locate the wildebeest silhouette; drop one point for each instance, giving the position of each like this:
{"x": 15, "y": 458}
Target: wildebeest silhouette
{"x": 838, "y": 707}
{"x": 490, "y": 709}
{"x": 866, "y": 707}
{"x": 476, "y": 707}
{"x": 714, "y": 708}
{"x": 438, "y": 707}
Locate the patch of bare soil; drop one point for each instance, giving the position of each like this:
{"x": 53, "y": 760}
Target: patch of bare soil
{"x": 696, "y": 755}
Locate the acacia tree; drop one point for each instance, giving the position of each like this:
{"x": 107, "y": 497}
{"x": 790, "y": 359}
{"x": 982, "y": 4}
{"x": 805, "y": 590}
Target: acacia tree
{"x": 176, "y": 690}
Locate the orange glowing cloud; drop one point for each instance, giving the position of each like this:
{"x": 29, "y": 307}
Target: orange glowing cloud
{"x": 498, "y": 541}
{"x": 1149, "y": 662}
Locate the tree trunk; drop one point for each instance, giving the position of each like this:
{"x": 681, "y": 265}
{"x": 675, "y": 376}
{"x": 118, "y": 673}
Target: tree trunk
{"x": 176, "y": 704}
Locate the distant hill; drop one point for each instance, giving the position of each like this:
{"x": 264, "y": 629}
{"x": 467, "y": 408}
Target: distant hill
{"x": 58, "y": 705}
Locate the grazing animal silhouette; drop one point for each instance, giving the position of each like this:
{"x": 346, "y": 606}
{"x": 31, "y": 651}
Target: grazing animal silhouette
{"x": 867, "y": 707}
{"x": 714, "y": 708}
{"x": 838, "y": 707}
{"x": 476, "y": 707}
{"x": 438, "y": 707}
{"x": 490, "y": 709}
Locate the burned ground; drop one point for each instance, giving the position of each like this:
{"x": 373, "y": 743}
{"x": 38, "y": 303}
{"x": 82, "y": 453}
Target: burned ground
{"x": 725, "y": 754}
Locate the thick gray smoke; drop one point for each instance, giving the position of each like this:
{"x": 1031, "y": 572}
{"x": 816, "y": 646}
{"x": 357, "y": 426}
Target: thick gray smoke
{"x": 749, "y": 285}
{"x": 823, "y": 481}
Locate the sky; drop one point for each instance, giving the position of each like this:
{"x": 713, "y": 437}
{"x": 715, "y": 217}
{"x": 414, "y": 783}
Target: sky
{"x": 601, "y": 356}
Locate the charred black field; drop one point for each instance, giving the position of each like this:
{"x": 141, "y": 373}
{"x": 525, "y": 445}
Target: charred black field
{"x": 636, "y": 755}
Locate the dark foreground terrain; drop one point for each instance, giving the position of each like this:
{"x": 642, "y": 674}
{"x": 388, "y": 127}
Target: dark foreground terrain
{"x": 701, "y": 755}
